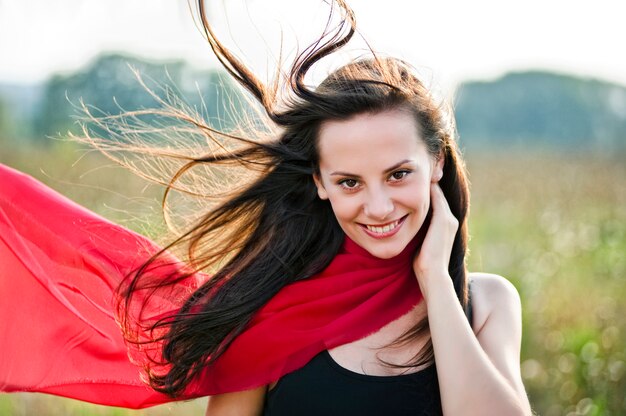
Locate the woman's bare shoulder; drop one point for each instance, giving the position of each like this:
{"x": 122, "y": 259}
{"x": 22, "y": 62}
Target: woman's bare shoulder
{"x": 240, "y": 403}
{"x": 492, "y": 293}
{"x": 499, "y": 324}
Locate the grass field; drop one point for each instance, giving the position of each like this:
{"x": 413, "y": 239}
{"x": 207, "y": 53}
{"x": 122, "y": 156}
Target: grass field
{"x": 555, "y": 225}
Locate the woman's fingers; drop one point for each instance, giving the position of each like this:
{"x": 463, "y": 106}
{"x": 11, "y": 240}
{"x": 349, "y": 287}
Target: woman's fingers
{"x": 441, "y": 210}
{"x": 434, "y": 254}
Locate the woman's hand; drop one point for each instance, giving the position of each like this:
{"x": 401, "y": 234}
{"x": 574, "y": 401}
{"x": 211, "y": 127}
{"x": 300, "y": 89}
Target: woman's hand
{"x": 433, "y": 257}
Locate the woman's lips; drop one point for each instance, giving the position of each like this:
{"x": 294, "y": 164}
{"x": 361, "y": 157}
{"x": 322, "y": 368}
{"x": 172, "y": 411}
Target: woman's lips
{"x": 384, "y": 230}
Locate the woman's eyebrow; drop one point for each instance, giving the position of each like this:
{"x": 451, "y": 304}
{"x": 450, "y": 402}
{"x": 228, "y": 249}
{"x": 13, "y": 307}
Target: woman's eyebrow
{"x": 396, "y": 166}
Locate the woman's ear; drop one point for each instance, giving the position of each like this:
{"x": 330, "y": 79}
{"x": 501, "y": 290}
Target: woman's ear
{"x": 321, "y": 191}
{"x": 438, "y": 168}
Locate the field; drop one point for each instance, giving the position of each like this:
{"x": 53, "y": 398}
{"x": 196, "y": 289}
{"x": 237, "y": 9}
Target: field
{"x": 553, "y": 224}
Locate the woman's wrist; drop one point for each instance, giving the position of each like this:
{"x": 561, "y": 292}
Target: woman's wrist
{"x": 435, "y": 284}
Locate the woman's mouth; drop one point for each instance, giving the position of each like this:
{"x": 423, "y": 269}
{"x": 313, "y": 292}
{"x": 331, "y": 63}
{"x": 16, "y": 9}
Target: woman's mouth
{"x": 383, "y": 230}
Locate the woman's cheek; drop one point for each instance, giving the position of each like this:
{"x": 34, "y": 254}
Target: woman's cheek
{"x": 343, "y": 209}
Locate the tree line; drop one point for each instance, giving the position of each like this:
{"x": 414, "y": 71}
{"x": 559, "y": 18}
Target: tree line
{"x": 523, "y": 109}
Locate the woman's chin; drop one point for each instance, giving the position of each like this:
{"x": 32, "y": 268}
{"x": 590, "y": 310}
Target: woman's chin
{"x": 388, "y": 253}
{"x": 384, "y": 249}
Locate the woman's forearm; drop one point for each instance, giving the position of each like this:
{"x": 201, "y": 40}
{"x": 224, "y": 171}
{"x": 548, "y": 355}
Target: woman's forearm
{"x": 469, "y": 382}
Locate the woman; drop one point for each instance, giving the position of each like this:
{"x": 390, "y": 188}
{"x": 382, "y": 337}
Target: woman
{"x": 380, "y": 153}
{"x": 347, "y": 246}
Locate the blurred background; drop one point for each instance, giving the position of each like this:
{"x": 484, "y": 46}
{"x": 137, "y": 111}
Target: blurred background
{"x": 539, "y": 90}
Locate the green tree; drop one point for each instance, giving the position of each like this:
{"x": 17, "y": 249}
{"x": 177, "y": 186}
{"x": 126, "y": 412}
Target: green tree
{"x": 109, "y": 86}
{"x": 542, "y": 109}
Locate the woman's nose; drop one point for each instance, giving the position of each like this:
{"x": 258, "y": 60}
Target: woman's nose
{"x": 378, "y": 206}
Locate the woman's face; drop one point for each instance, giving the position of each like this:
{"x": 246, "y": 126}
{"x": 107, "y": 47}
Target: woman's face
{"x": 376, "y": 172}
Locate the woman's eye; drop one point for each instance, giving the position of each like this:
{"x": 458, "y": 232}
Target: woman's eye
{"x": 400, "y": 174}
{"x": 349, "y": 183}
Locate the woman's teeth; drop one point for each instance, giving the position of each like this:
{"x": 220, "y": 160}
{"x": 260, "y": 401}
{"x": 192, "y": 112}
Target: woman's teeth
{"x": 384, "y": 229}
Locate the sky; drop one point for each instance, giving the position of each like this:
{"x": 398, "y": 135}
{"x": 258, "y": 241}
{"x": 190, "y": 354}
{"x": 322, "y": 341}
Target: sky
{"x": 448, "y": 41}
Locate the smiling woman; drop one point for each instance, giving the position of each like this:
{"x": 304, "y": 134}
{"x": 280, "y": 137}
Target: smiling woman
{"x": 389, "y": 195}
{"x": 338, "y": 265}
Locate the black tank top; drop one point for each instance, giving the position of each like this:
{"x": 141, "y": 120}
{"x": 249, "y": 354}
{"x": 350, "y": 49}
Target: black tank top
{"x": 324, "y": 388}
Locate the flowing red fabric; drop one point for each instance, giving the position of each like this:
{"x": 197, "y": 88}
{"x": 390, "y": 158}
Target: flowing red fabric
{"x": 60, "y": 265}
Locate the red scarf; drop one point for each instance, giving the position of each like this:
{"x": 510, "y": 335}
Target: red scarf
{"x": 60, "y": 265}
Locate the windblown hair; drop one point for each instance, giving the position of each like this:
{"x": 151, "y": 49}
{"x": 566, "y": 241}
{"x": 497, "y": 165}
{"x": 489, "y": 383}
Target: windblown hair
{"x": 273, "y": 229}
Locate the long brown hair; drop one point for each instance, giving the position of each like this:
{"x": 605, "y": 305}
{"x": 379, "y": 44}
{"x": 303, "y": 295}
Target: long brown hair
{"x": 272, "y": 229}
